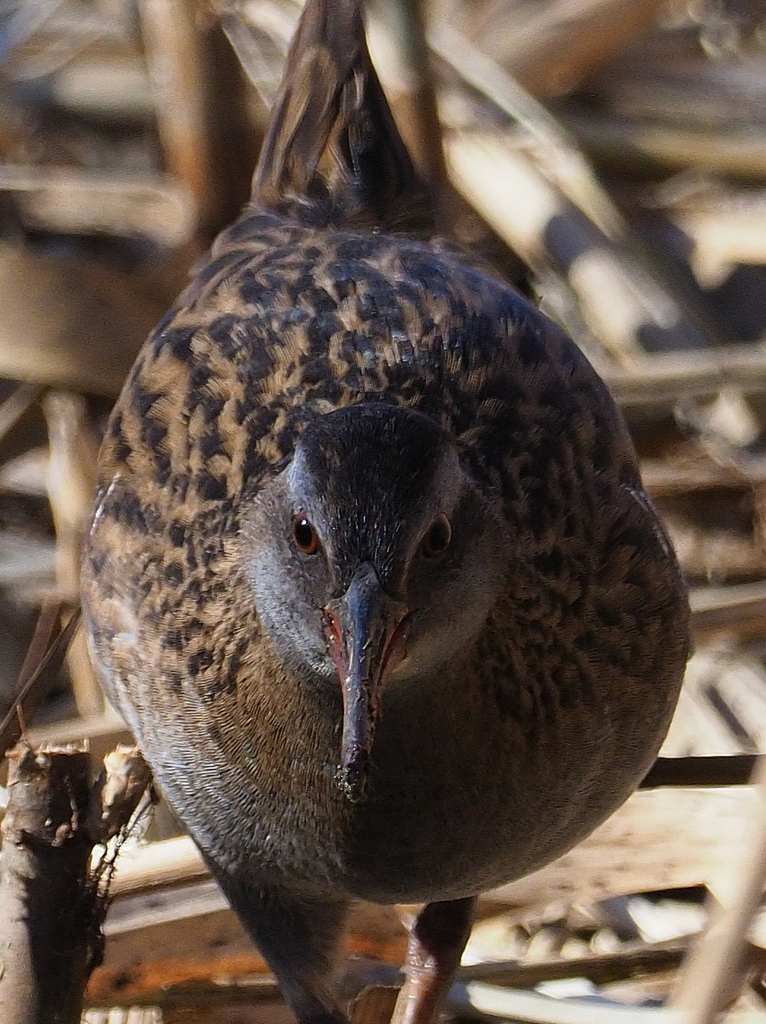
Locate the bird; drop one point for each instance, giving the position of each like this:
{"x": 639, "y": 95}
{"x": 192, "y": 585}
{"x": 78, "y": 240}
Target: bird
{"x": 371, "y": 573}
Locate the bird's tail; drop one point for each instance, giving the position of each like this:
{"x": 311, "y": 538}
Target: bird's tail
{"x": 333, "y": 155}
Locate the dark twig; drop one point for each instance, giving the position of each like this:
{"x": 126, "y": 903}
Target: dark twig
{"x": 725, "y": 770}
{"x": 39, "y": 671}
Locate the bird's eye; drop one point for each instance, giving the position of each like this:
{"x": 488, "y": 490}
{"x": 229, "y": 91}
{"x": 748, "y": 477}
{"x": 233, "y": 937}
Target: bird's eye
{"x": 305, "y": 536}
{"x": 436, "y": 541}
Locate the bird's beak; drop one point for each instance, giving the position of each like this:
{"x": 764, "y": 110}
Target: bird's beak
{"x": 365, "y": 635}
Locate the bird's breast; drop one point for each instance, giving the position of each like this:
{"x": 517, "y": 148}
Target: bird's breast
{"x": 461, "y": 797}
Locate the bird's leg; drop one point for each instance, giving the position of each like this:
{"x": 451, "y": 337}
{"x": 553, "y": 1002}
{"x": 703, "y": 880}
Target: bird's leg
{"x": 436, "y": 943}
{"x": 298, "y": 937}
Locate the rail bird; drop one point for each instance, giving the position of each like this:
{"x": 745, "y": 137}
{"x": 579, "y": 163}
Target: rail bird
{"x": 371, "y": 573}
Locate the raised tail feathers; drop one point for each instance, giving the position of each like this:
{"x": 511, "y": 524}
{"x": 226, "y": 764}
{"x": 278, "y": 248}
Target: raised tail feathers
{"x": 333, "y": 155}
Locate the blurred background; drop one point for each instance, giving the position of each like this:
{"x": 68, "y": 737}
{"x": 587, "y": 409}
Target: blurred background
{"x": 607, "y": 156}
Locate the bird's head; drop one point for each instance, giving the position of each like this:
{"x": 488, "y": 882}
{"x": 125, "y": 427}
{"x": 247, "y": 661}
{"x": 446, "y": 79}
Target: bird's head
{"x": 375, "y": 561}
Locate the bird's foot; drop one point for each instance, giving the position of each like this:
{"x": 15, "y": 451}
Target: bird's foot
{"x": 436, "y": 943}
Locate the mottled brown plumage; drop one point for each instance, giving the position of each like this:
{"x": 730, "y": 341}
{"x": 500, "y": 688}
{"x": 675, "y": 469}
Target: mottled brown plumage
{"x": 328, "y": 368}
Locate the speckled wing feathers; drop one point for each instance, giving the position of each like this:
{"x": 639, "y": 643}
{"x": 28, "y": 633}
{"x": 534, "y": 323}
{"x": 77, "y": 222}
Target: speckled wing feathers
{"x": 284, "y": 329}
{"x": 217, "y": 400}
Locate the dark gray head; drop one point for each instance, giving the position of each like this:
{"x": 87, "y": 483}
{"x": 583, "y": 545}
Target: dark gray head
{"x": 376, "y": 559}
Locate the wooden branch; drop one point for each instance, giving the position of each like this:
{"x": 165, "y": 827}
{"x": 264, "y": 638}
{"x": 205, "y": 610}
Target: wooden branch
{"x": 45, "y": 911}
{"x": 374, "y": 1005}
{"x": 241, "y": 987}
{"x": 553, "y": 47}
{"x": 191, "y": 949}
{"x": 601, "y": 969}
{"x": 86, "y": 203}
{"x": 669, "y": 478}
{"x": 661, "y": 838}
{"x": 660, "y": 379}
{"x": 185, "y": 935}
{"x": 195, "y": 942}
{"x": 81, "y": 323}
{"x": 374, "y": 1001}
{"x": 102, "y": 733}
{"x": 51, "y": 903}
{"x": 620, "y": 143}
{"x": 671, "y": 838}
{"x": 120, "y": 788}
{"x": 740, "y": 609}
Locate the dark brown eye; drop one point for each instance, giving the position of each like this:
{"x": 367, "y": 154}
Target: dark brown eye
{"x": 305, "y": 536}
{"x": 436, "y": 541}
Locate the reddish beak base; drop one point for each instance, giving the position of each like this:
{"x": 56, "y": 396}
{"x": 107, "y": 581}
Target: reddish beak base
{"x": 365, "y": 632}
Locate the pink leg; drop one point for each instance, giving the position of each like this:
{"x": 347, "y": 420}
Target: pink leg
{"x": 437, "y": 941}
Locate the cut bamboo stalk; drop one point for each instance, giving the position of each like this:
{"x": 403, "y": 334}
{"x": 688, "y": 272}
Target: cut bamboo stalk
{"x": 640, "y": 145}
{"x": 199, "y": 106}
{"x": 624, "y": 306}
{"x": 176, "y": 65}
{"x": 558, "y": 153}
{"x": 406, "y": 72}
{"x": 71, "y": 483}
{"x": 714, "y": 971}
{"x": 85, "y": 203}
